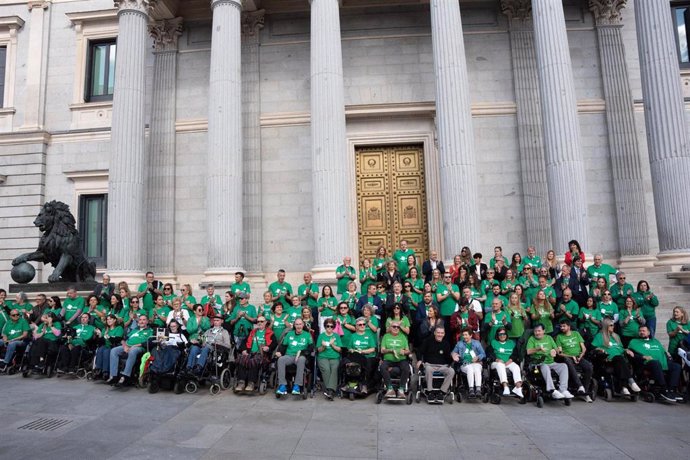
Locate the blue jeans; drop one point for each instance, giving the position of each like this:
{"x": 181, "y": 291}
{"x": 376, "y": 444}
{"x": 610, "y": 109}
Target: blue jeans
{"x": 103, "y": 359}
{"x": 201, "y": 352}
{"x": 132, "y": 356}
{"x": 651, "y": 323}
{"x": 11, "y": 349}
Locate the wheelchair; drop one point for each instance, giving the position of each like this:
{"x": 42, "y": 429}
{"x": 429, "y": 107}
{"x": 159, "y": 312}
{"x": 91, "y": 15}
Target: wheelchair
{"x": 217, "y": 373}
{"x": 307, "y": 387}
{"x": 163, "y": 367}
{"x": 85, "y": 362}
{"x": 461, "y": 387}
{"x": 408, "y": 390}
{"x": 263, "y": 375}
{"x": 352, "y": 376}
{"x": 47, "y": 363}
{"x": 534, "y": 386}
{"x": 495, "y": 388}
{"x": 606, "y": 384}
{"x": 437, "y": 381}
{"x": 19, "y": 359}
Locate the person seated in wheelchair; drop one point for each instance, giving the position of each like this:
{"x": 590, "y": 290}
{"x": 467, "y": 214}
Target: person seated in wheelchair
{"x": 361, "y": 351}
{"x": 294, "y": 349}
{"x": 612, "y": 355}
{"x": 505, "y": 353}
{"x": 79, "y": 340}
{"x": 652, "y": 358}
{"x": 469, "y": 355}
{"x": 216, "y": 337}
{"x": 170, "y": 344}
{"x": 434, "y": 356}
{"x": 256, "y": 352}
{"x": 572, "y": 351}
{"x": 134, "y": 346}
{"x": 15, "y": 332}
{"x": 45, "y": 342}
{"x": 543, "y": 350}
{"x": 395, "y": 350}
{"x": 172, "y": 336}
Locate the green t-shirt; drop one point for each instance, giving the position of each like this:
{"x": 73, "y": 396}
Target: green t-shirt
{"x": 416, "y": 296}
{"x": 397, "y": 343}
{"x": 196, "y": 328}
{"x": 115, "y": 333}
{"x": 14, "y": 329}
{"x": 347, "y": 319}
{"x": 508, "y": 286}
{"x": 293, "y": 313}
{"x": 619, "y": 294}
{"x": 674, "y": 342}
{"x": 503, "y": 350}
{"x": 296, "y": 343}
{"x": 570, "y": 344}
{"x": 604, "y": 270}
{"x": 325, "y": 341}
{"x": 570, "y": 307}
{"x": 123, "y": 314}
{"x": 652, "y": 348}
{"x": 647, "y": 307}
{"x": 243, "y": 326}
{"x": 302, "y": 290}
{"x": 147, "y": 300}
{"x": 490, "y": 299}
{"x": 448, "y": 305}
{"x": 72, "y": 306}
{"x": 265, "y": 310}
{"x": 218, "y": 306}
{"x": 189, "y": 302}
{"x": 97, "y": 319}
{"x": 367, "y": 276}
{"x": 278, "y": 324}
{"x": 517, "y": 319}
{"x": 492, "y": 262}
{"x": 236, "y": 288}
{"x": 535, "y": 261}
{"x": 48, "y": 332}
{"x": 26, "y": 307}
{"x": 614, "y": 349}
{"x": 633, "y": 327}
{"x": 497, "y": 324}
{"x": 404, "y": 322}
{"x": 379, "y": 265}
{"x": 139, "y": 336}
{"x": 350, "y": 299}
{"x": 608, "y": 310}
{"x": 543, "y": 317}
{"x": 350, "y": 274}
{"x": 258, "y": 341}
{"x": 400, "y": 258}
{"x": 82, "y": 334}
{"x": 279, "y": 290}
{"x": 329, "y": 304}
{"x": 545, "y": 353}
{"x": 363, "y": 342}
{"x": 162, "y": 311}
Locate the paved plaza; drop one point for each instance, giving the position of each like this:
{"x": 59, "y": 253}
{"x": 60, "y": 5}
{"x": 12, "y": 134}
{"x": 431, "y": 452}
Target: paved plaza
{"x": 100, "y": 422}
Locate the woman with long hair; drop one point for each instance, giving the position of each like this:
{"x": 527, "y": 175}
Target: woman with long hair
{"x": 609, "y": 343}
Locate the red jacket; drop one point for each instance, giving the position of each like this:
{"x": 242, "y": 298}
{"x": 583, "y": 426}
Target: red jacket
{"x": 456, "y": 325}
{"x": 268, "y": 337}
{"x": 569, "y": 258}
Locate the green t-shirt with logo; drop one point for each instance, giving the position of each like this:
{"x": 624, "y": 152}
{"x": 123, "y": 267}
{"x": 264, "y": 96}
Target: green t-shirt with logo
{"x": 218, "y": 306}
{"x": 633, "y": 327}
{"x": 243, "y": 326}
{"x": 647, "y": 306}
{"x": 674, "y": 342}
{"x": 72, "y": 306}
{"x": 297, "y": 342}
{"x": 614, "y": 349}
{"x": 544, "y": 353}
{"x": 400, "y": 258}
{"x": 570, "y": 344}
{"x": 48, "y": 332}
{"x": 196, "y": 328}
{"x": 139, "y": 336}
{"x": 14, "y": 329}
{"x": 302, "y": 290}
{"x": 236, "y": 288}
{"x": 620, "y": 293}
{"x": 278, "y": 324}
{"x": 325, "y": 341}
{"x": 82, "y": 334}
{"x": 279, "y": 290}
{"x": 115, "y": 333}
{"x": 496, "y": 325}
{"x": 447, "y": 305}
{"x": 329, "y": 304}
{"x": 397, "y": 343}
{"x": 503, "y": 350}
{"x": 350, "y": 274}
{"x": 608, "y": 310}
{"x": 363, "y": 342}
{"x": 604, "y": 270}
{"x": 652, "y": 348}
{"x": 258, "y": 341}
{"x": 586, "y": 316}
{"x": 162, "y": 311}
{"x": 365, "y": 277}
{"x": 535, "y": 261}
{"x": 147, "y": 299}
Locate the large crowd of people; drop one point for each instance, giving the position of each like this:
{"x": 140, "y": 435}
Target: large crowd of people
{"x": 394, "y": 317}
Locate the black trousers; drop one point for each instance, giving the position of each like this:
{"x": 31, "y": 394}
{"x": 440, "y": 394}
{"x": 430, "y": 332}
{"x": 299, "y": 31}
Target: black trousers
{"x": 41, "y": 351}
{"x": 386, "y": 367}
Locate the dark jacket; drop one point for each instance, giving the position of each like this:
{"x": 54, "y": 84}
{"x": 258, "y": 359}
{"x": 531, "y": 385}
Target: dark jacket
{"x": 389, "y": 280}
{"x": 378, "y": 304}
{"x": 434, "y": 352}
{"x": 482, "y": 270}
{"x": 101, "y": 293}
{"x": 427, "y": 271}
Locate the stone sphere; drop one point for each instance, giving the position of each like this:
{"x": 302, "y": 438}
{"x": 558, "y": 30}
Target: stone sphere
{"x": 23, "y": 273}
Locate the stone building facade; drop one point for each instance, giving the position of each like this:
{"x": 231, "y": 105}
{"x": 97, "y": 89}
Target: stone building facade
{"x": 232, "y": 138}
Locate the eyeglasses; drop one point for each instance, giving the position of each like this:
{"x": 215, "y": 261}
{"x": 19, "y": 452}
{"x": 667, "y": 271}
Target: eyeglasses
{"x": 395, "y": 327}
{"x": 501, "y": 333}
{"x": 330, "y": 326}
{"x": 167, "y": 289}
{"x": 607, "y": 293}
{"x": 14, "y": 315}
{"x": 360, "y": 324}
{"x": 134, "y": 301}
{"x": 261, "y": 321}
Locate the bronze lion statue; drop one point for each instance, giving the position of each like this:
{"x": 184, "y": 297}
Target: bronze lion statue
{"x": 60, "y": 245}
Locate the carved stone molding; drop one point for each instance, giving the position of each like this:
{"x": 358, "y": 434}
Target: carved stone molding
{"x": 166, "y": 33}
{"x": 38, "y": 4}
{"x": 252, "y": 22}
{"x": 607, "y": 12}
{"x": 517, "y": 10}
{"x": 142, "y": 6}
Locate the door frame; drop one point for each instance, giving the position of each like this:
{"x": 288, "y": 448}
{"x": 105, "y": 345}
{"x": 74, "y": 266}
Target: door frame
{"x": 426, "y": 139}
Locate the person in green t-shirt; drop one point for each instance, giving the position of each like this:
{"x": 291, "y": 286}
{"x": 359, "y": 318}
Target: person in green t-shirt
{"x": 567, "y": 308}
{"x": 135, "y": 345}
{"x": 572, "y": 349}
{"x": 72, "y": 352}
{"x": 45, "y": 345}
{"x": 532, "y": 258}
{"x": 344, "y": 274}
{"x": 608, "y": 308}
{"x": 96, "y": 311}
{"x": 505, "y": 352}
{"x": 168, "y": 294}
{"x": 327, "y": 303}
{"x": 13, "y": 334}
{"x": 367, "y": 275}
{"x": 678, "y": 329}
{"x": 656, "y": 361}
{"x": 308, "y": 292}
{"x": 256, "y": 352}
{"x": 380, "y": 261}
{"x": 240, "y": 285}
{"x": 543, "y": 349}
{"x": 112, "y": 335}
{"x": 621, "y": 290}
{"x": 160, "y": 311}
{"x": 188, "y": 300}
{"x": 589, "y": 319}
{"x": 400, "y": 256}
{"x": 494, "y": 319}
{"x": 279, "y": 320}
{"x": 600, "y": 269}
{"x": 212, "y": 301}
{"x": 608, "y": 342}
{"x": 148, "y": 288}
{"x": 362, "y": 350}
{"x": 350, "y": 296}
{"x": 73, "y": 306}
{"x": 648, "y": 303}
{"x": 329, "y": 346}
{"x": 395, "y": 349}
{"x": 542, "y": 312}
{"x": 242, "y": 319}
{"x": 630, "y": 319}
{"x": 344, "y": 322}
{"x": 518, "y": 316}
{"x": 294, "y": 349}
{"x": 281, "y": 290}
{"x": 447, "y": 297}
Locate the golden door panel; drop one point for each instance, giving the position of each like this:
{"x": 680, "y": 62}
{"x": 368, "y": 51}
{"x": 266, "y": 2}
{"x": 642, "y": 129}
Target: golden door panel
{"x": 391, "y": 199}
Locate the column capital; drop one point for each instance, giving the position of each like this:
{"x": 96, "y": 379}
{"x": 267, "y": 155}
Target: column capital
{"x": 38, "y": 4}
{"x": 607, "y": 12}
{"x": 141, "y": 6}
{"x": 340, "y": 2}
{"x": 517, "y": 10}
{"x": 237, "y": 3}
{"x": 165, "y": 34}
{"x": 252, "y": 22}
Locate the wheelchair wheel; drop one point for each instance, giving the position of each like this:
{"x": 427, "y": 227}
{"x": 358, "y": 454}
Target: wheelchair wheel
{"x": 495, "y": 398}
{"x": 262, "y": 388}
{"x": 178, "y": 388}
{"x": 409, "y": 398}
{"x": 89, "y": 376}
{"x": 351, "y": 395}
{"x": 225, "y": 379}
{"x": 450, "y": 397}
{"x": 418, "y": 397}
{"x": 144, "y": 380}
{"x": 648, "y": 397}
{"x": 458, "y": 397}
{"x": 25, "y": 374}
{"x": 153, "y": 387}
{"x": 191, "y": 387}
{"x": 214, "y": 389}
{"x": 594, "y": 390}
{"x": 608, "y": 395}
{"x": 568, "y": 401}
{"x": 379, "y": 397}
{"x": 305, "y": 393}
{"x": 81, "y": 374}
{"x": 540, "y": 401}
{"x": 485, "y": 397}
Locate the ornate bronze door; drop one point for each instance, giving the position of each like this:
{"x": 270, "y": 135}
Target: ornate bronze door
{"x": 391, "y": 199}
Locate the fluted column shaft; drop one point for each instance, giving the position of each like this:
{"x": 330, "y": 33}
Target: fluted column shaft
{"x": 126, "y": 192}
{"x": 667, "y": 134}
{"x": 534, "y": 184}
{"x": 565, "y": 171}
{"x": 457, "y": 164}
{"x": 224, "y": 172}
{"x": 628, "y": 185}
{"x": 330, "y": 164}
{"x": 161, "y": 180}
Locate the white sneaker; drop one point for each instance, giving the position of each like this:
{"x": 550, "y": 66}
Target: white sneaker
{"x": 518, "y": 392}
{"x": 684, "y": 355}
{"x": 588, "y": 399}
{"x": 506, "y": 391}
{"x": 581, "y": 390}
{"x": 625, "y": 392}
{"x": 557, "y": 395}
{"x": 634, "y": 387}
{"x": 567, "y": 395}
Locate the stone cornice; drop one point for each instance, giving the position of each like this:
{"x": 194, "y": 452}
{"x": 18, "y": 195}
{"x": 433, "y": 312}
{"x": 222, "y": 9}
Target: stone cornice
{"x": 517, "y": 10}
{"x": 38, "y": 4}
{"x": 252, "y": 22}
{"x": 165, "y": 34}
{"x": 141, "y": 6}
{"x": 236, "y": 3}
{"x": 607, "y": 12}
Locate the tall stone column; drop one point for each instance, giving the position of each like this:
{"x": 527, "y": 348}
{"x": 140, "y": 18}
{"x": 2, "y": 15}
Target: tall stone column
{"x": 457, "y": 164}
{"x": 533, "y": 166}
{"x": 252, "y": 23}
{"x": 628, "y": 184}
{"x": 667, "y": 133}
{"x": 36, "y": 66}
{"x": 161, "y": 171}
{"x": 224, "y": 170}
{"x": 126, "y": 191}
{"x": 565, "y": 170}
{"x": 331, "y": 169}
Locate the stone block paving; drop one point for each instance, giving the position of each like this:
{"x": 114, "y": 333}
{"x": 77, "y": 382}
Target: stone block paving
{"x": 91, "y": 420}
